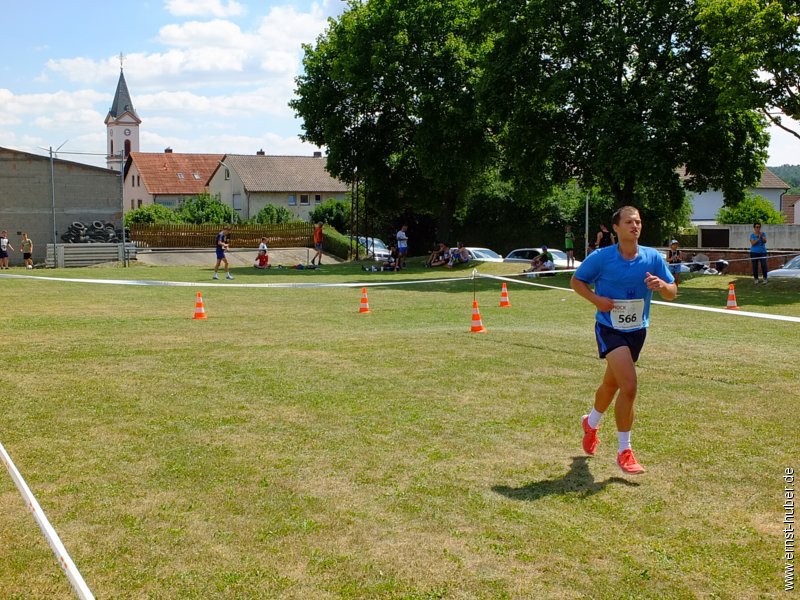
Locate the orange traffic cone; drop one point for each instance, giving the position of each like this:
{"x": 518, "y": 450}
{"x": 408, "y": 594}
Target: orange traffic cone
{"x": 504, "y": 302}
{"x": 731, "y": 298}
{"x": 477, "y": 325}
{"x": 199, "y": 309}
{"x": 364, "y": 306}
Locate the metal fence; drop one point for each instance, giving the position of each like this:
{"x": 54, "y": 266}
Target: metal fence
{"x": 288, "y": 235}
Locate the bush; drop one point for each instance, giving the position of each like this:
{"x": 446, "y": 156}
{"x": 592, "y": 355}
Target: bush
{"x": 152, "y": 213}
{"x": 273, "y": 215}
{"x": 206, "y": 208}
{"x": 335, "y": 213}
{"x": 753, "y": 209}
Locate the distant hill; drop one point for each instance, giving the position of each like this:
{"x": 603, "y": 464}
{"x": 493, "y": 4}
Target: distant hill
{"x": 789, "y": 173}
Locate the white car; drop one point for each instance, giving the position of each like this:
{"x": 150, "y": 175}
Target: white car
{"x": 526, "y": 255}
{"x": 484, "y": 254}
{"x": 376, "y": 249}
{"x": 790, "y": 269}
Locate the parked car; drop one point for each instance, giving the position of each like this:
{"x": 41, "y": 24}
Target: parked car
{"x": 484, "y": 254}
{"x": 526, "y": 255}
{"x": 790, "y": 269}
{"x": 376, "y": 249}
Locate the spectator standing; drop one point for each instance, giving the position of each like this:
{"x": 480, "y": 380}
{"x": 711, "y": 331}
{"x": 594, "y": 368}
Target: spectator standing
{"x": 569, "y": 246}
{"x": 318, "y": 237}
{"x": 223, "y": 242}
{"x": 604, "y": 237}
{"x": 758, "y": 252}
{"x": 402, "y": 246}
{"x": 4, "y": 246}
{"x": 26, "y": 247}
{"x": 674, "y": 260}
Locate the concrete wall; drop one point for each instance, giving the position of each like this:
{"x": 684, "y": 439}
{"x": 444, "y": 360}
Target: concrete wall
{"x": 785, "y": 237}
{"x": 82, "y": 193}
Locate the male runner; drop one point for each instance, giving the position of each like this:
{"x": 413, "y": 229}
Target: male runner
{"x": 223, "y": 239}
{"x": 624, "y": 276}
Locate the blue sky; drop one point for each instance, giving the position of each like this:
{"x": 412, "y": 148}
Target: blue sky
{"x": 204, "y": 75}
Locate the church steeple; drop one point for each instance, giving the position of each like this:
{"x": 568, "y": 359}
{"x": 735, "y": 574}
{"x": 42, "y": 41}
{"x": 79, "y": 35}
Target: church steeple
{"x": 122, "y": 124}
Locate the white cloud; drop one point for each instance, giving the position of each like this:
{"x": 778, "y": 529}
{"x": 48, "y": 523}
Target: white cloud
{"x": 201, "y": 8}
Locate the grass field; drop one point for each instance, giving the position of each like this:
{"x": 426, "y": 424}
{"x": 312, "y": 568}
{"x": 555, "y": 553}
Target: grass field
{"x": 289, "y": 447}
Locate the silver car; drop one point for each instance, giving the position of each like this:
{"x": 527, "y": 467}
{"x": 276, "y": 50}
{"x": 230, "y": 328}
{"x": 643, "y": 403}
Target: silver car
{"x": 526, "y": 255}
{"x": 790, "y": 269}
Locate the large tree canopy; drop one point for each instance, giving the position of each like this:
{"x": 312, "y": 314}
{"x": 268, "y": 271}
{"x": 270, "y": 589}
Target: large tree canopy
{"x": 389, "y": 88}
{"x": 756, "y": 50}
{"x": 617, "y": 93}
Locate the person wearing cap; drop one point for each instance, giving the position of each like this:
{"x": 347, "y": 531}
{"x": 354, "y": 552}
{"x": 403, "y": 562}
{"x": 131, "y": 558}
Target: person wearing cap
{"x": 674, "y": 260}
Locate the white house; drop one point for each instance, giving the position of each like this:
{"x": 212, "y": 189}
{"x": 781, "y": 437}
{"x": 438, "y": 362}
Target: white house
{"x": 705, "y": 206}
{"x": 298, "y": 183}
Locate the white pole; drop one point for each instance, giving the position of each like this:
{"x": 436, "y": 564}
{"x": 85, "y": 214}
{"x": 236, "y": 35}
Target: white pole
{"x": 586, "y": 228}
{"x": 78, "y": 584}
{"x": 122, "y": 203}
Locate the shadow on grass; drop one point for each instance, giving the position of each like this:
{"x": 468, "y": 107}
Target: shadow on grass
{"x": 577, "y": 479}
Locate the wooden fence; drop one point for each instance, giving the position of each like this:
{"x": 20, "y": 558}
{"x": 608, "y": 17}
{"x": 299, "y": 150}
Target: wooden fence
{"x": 288, "y": 235}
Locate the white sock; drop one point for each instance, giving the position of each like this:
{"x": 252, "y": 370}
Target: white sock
{"x": 594, "y": 419}
{"x": 624, "y": 440}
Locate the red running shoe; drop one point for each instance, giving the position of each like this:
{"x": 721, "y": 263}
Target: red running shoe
{"x": 590, "y": 440}
{"x": 628, "y": 463}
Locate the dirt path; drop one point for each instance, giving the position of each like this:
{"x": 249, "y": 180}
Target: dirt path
{"x": 236, "y": 258}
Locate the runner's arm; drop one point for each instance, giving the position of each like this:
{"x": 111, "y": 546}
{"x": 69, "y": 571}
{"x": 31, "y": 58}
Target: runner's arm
{"x": 582, "y": 289}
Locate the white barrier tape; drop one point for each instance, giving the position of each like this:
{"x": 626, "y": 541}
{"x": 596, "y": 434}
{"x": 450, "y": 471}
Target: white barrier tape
{"x": 69, "y": 568}
{"x": 725, "y": 311}
{"x": 144, "y": 282}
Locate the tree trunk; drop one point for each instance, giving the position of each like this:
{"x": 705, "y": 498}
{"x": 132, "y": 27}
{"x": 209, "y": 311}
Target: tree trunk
{"x": 445, "y": 222}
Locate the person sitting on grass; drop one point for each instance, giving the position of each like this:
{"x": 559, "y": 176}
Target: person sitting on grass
{"x": 390, "y": 264}
{"x": 543, "y": 263}
{"x": 443, "y": 256}
{"x": 460, "y": 256}
{"x": 433, "y": 255}
{"x": 262, "y": 260}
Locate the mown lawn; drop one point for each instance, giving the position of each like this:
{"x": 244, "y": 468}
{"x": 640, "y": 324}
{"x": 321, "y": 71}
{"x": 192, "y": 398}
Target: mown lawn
{"x": 289, "y": 447}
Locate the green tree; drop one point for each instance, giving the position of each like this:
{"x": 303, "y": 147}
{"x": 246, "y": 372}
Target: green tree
{"x": 152, "y": 213}
{"x": 335, "y": 213}
{"x": 755, "y": 48}
{"x": 618, "y": 94}
{"x": 753, "y": 209}
{"x": 389, "y": 88}
{"x": 273, "y": 215}
{"x": 206, "y": 208}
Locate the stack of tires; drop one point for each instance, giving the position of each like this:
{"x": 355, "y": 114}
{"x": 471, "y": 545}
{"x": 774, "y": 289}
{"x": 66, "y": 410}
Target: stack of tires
{"x": 93, "y": 233}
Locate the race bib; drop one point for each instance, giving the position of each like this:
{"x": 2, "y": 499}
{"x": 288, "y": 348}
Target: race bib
{"x": 627, "y": 314}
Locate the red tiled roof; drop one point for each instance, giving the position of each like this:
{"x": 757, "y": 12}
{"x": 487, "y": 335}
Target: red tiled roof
{"x": 171, "y": 173}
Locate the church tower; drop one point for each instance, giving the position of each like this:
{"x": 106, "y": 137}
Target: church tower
{"x": 122, "y": 124}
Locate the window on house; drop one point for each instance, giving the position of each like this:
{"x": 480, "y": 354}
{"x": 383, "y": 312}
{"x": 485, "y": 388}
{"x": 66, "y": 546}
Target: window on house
{"x": 133, "y": 181}
{"x": 138, "y": 181}
{"x": 127, "y": 148}
{"x": 196, "y": 176}
{"x": 139, "y": 203}
{"x": 180, "y": 176}
{"x": 227, "y": 174}
{"x": 132, "y": 204}
{"x": 303, "y": 198}
{"x": 292, "y": 200}
{"x": 317, "y": 198}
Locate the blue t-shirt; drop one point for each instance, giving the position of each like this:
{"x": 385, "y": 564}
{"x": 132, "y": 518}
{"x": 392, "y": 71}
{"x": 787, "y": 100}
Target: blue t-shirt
{"x": 761, "y": 246}
{"x": 620, "y": 279}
